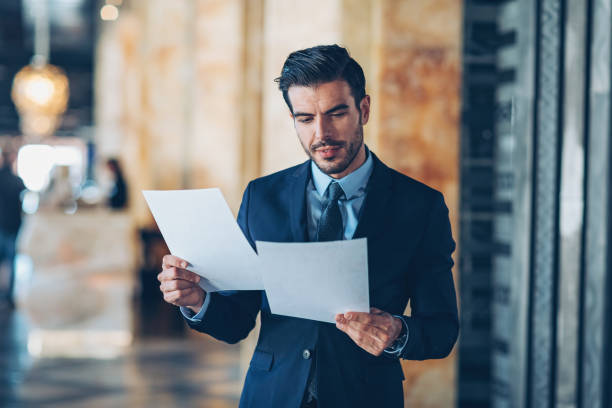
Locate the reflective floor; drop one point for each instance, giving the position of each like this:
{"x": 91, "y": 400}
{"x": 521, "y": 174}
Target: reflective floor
{"x": 188, "y": 372}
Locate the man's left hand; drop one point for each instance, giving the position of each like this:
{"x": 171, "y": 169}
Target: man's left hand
{"x": 373, "y": 332}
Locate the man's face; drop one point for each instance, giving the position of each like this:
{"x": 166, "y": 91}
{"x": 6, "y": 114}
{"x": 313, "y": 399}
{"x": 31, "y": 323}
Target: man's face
{"x": 329, "y": 125}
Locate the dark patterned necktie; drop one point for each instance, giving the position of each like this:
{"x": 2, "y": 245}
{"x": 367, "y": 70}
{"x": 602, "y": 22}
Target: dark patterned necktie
{"x": 329, "y": 229}
{"x": 330, "y": 224}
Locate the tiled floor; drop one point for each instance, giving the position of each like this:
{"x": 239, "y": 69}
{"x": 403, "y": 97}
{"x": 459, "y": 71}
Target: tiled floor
{"x": 155, "y": 373}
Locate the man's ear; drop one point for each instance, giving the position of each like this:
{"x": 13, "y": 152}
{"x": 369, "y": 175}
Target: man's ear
{"x": 364, "y": 106}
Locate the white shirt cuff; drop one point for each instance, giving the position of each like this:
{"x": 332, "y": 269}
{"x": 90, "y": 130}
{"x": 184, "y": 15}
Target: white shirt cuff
{"x": 197, "y": 317}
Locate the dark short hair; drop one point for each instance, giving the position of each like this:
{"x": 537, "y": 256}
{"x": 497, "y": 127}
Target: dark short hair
{"x": 323, "y": 63}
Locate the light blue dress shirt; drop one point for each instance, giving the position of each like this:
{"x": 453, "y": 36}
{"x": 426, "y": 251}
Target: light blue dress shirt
{"x": 354, "y": 187}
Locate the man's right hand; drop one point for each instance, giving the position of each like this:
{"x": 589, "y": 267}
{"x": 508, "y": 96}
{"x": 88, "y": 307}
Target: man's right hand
{"x": 180, "y": 286}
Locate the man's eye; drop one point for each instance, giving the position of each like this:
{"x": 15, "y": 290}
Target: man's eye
{"x": 338, "y": 114}
{"x": 305, "y": 120}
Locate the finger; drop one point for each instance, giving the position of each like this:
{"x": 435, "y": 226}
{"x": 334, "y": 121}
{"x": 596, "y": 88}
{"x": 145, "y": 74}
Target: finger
{"x": 384, "y": 320}
{"x": 172, "y": 273}
{"x": 363, "y": 334}
{"x": 189, "y": 297}
{"x": 388, "y": 319}
{"x": 376, "y": 310}
{"x": 178, "y": 296}
{"x": 362, "y": 338}
{"x": 341, "y": 319}
{"x": 176, "y": 284}
{"x": 177, "y": 273}
{"x": 381, "y": 321}
{"x": 379, "y": 337}
{"x": 171, "y": 260}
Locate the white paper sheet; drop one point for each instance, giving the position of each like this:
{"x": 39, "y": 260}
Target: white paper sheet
{"x": 316, "y": 280}
{"x": 199, "y": 227}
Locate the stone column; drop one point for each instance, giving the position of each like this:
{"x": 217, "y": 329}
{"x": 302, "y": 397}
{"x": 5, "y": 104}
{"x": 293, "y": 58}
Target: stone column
{"x": 595, "y": 373}
{"x": 550, "y": 334}
{"x": 417, "y": 109}
{"x": 571, "y": 210}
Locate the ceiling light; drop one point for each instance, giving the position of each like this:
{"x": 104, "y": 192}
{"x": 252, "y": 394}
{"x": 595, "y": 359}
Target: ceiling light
{"x": 109, "y": 12}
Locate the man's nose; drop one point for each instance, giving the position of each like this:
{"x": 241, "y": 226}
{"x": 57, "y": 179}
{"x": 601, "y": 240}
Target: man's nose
{"x": 322, "y": 129}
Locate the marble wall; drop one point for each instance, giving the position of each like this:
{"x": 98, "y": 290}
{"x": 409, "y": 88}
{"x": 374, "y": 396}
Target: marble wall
{"x": 200, "y": 108}
{"x": 181, "y": 89}
{"x": 417, "y": 133}
{"x": 419, "y": 91}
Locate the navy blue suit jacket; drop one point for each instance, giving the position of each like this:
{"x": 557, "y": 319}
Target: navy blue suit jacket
{"x": 409, "y": 259}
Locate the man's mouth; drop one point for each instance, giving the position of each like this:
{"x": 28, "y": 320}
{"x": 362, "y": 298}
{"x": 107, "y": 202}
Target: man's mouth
{"x": 328, "y": 152}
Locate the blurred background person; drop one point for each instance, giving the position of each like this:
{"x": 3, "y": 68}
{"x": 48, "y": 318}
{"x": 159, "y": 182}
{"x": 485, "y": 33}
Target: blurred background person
{"x": 118, "y": 193}
{"x": 11, "y": 189}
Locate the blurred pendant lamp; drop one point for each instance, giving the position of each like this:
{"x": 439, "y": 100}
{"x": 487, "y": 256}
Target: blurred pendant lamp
{"x": 40, "y": 90}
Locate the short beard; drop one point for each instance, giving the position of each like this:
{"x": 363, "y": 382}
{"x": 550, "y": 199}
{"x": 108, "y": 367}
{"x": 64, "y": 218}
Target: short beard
{"x": 352, "y": 149}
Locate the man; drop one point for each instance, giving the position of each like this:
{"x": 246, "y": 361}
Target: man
{"x": 343, "y": 192}
{"x": 11, "y": 188}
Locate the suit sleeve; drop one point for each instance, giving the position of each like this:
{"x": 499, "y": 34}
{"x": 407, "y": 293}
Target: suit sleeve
{"x": 231, "y": 315}
{"x": 433, "y": 326}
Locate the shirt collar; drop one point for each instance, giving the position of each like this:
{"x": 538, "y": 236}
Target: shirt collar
{"x": 352, "y": 184}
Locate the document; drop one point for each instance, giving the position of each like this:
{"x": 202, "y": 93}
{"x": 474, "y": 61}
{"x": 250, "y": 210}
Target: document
{"x": 315, "y": 280}
{"x": 199, "y": 227}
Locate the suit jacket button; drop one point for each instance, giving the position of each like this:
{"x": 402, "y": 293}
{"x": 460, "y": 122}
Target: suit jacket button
{"x": 306, "y": 354}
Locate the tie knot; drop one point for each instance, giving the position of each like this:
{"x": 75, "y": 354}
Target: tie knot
{"x": 334, "y": 191}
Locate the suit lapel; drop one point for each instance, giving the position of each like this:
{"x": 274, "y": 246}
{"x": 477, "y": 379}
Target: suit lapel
{"x": 378, "y": 194}
{"x": 297, "y": 211}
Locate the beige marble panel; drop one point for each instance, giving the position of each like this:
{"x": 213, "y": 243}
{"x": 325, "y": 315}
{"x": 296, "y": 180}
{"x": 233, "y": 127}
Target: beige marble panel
{"x": 215, "y": 148}
{"x": 165, "y": 56}
{"x": 418, "y": 132}
{"x": 135, "y": 148}
{"x": 108, "y": 86}
{"x": 252, "y": 90}
{"x": 118, "y": 107}
{"x": 359, "y": 36}
{"x": 420, "y": 115}
{"x": 146, "y": 79}
{"x": 290, "y": 25}
{"x": 430, "y": 24}
{"x": 181, "y": 84}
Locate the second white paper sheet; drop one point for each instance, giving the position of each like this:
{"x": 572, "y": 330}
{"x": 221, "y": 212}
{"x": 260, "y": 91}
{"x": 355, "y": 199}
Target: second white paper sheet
{"x": 199, "y": 227}
{"x": 315, "y": 280}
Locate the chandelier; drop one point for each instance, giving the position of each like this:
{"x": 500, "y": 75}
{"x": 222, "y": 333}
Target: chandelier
{"x": 40, "y": 93}
{"x": 40, "y": 90}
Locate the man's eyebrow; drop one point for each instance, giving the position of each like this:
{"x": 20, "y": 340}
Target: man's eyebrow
{"x": 327, "y": 112}
{"x": 295, "y": 114}
{"x": 337, "y": 108}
